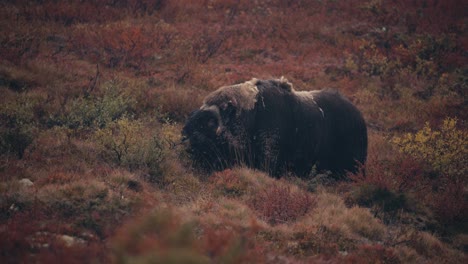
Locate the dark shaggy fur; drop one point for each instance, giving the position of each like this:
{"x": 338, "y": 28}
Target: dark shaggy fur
{"x": 267, "y": 125}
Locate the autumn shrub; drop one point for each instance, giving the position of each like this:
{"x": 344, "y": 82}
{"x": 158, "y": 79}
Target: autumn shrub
{"x": 53, "y": 144}
{"x": 395, "y": 172}
{"x": 165, "y": 236}
{"x": 75, "y": 198}
{"x": 449, "y": 202}
{"x": 428, "y": 172}
{"x": 387, "y": 52}
{"x": 445, "y": 149}
{"x": 390, "y": 182}
{"x": 14, "y": 235}
{"x": 391, "y": 185}
{"x": 92, "y": 205}
{"x": 124, "y": 45}
{"x": 279, "y": 203}
{"x": 20, "y": 44}
{"x": 127, "y": 143}
{"x": 229, "y": 183}
{"x": 160, "y": 237}
{"x": 177, "y": 102}
{"x": 386, "y": 200}
{"x": 91, "y": 112}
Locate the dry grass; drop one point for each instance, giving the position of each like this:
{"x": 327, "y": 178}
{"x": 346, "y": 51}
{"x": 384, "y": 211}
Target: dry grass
{"x": 355, "y": 222}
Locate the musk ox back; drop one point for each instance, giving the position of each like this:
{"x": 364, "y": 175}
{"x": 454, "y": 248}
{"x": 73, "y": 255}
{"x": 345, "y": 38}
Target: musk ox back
{"x": 267, "y": 125}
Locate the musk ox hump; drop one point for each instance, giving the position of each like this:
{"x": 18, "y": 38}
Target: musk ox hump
{"x": 243, "y": 96}
{"x": 309, "y": 97}
{"x": 285, "y": 84}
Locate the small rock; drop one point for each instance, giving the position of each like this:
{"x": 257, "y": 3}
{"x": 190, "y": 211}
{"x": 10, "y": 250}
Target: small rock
{"x": 71, "y": 241}
{"x": 87, "y": 236}
{"x": 14, "y": 208}
{"x": 26, "y": 182}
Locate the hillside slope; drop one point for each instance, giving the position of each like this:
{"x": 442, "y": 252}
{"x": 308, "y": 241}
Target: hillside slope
{"x": 94, "y": 95}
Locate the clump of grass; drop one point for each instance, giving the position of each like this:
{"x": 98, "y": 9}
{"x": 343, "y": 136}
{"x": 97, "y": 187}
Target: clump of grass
{"x": 275, "y": 201}
{"x": 229, "y": 183}
{"x": 332, "y": 213}
{"x": 426, "y": 246}
{"x": 373, "y": 253}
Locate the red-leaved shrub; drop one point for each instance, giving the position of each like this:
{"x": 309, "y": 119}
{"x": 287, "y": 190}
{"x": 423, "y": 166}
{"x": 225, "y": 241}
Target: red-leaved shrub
{"x": 280, "y": 204}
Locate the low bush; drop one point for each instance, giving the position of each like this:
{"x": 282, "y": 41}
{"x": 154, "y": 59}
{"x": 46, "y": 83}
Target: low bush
{"x": 229, "y": 183}
{"x": 386, "y": 200}
{"x": 129, "y": 144}
{"x": 354, "y": 222}
{"x": 93, "y": 111}
{"x": 390, "y": 184}
{"x": 280, "y": 203}
{"x": 445, "y": 149}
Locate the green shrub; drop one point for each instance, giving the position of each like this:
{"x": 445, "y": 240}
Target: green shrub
{"x": 128, "y": 143}
{"x": 97, "y": 111}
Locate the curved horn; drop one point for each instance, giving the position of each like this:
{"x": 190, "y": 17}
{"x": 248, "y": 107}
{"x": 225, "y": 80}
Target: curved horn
{"x": 215, "y": 110}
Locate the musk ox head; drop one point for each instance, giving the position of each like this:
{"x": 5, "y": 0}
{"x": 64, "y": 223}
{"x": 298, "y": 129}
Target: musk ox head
{"x": 202, "y": 131}
{"x": 215, "y": 130}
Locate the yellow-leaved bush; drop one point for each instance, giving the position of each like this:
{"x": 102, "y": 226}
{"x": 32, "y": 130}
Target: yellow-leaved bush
{"x": 126, "y": 142}
{"x": 445, "y": 149}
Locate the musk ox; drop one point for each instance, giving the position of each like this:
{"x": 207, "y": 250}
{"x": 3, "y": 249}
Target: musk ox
{"x": 267, "y": 125}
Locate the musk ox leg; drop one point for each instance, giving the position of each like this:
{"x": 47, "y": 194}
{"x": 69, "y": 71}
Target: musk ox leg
{"x": 268, "y": 153}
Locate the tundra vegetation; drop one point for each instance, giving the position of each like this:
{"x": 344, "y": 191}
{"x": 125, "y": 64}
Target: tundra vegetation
{"x": 94, "y": 95}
